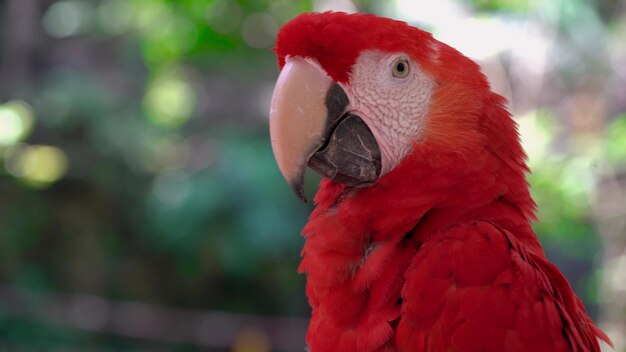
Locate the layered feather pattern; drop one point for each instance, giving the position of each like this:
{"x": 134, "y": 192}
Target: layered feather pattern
{"x": 439, "y": 254}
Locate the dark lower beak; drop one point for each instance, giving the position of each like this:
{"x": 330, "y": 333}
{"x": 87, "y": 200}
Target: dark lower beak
{"x": 351, "y": 155}
{"x": 310, "y": 125}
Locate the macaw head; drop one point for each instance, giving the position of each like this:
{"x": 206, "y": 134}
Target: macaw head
{"x": 357, "y": 92}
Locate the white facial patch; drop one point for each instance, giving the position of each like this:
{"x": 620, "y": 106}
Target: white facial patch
{"x": 393, "y": 108}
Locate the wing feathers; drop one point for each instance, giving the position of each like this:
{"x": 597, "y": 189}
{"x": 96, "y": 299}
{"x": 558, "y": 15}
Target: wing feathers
{"x": 476, "y": 288}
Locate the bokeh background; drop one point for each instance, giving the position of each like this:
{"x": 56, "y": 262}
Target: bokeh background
{"x": 140, "y": 205}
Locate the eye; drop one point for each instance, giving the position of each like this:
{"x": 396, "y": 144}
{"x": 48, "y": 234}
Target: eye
{"x": 400, "y": 68}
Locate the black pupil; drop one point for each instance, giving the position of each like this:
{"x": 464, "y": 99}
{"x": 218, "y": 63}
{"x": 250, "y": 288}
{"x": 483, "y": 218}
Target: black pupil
{"x": 400, "y": 67}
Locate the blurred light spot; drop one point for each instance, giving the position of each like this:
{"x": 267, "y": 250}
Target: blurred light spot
{"x": 224, "y": 16}
{"x": 617, "y": 47}
{"x": 478, "y": 38}
{"x": 259, "y": 30}
{"x": 530, "y": 46}
{"x": 335, "y": 5}
{"x": 151, "y": 15}
{"x": 169, "y": 101}
{"x": 430, "y": 13}
{"x": 536, "y": 129}
{"x": 283, "y": 10}
{"x": 199, "y": 7}
{"x": 171, "y": 188}
{"x": 616, "y": 140}
{"x": 38, "y": 166}
{"x": 251, "y": 340}
{"x": 616, "y": 268}
{"x": 578, "y": 181}
{"x": 65, "y": 18}
{"x": 16, "y": 121}
{"x": 174, "y": 36}
{"x": 183, "y": 35}
{"x": 114, "y": 16}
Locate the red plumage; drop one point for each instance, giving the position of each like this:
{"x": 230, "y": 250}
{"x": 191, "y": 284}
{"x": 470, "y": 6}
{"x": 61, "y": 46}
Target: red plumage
{"x": 439, "y": 254}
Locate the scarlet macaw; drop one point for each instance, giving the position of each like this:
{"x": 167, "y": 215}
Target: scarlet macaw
{"x": 421, "y": 239}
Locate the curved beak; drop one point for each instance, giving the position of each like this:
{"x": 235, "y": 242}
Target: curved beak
{"x": 309, "y": 124}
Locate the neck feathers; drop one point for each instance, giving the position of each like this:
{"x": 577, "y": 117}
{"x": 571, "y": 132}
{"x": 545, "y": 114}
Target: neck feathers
{"x": 469, "y": 160}
{"x": 359, "y": 242}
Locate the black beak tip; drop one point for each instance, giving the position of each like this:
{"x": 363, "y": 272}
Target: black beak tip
{"x": 297, "y": 185}
{"x": 300, "y": 194}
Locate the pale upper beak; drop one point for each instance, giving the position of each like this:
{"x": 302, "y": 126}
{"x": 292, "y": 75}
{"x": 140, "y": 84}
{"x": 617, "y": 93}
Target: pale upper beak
{"x": 310, "y": 124}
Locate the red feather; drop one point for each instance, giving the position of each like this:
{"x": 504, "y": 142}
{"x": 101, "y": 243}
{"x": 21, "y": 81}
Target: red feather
{"x": 439, "y": 254}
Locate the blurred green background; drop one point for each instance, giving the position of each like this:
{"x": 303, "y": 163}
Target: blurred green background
{"x": 140, "y": 205}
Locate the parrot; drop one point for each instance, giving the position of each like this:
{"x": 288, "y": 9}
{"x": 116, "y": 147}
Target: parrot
{"x": 421, "y": 237}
